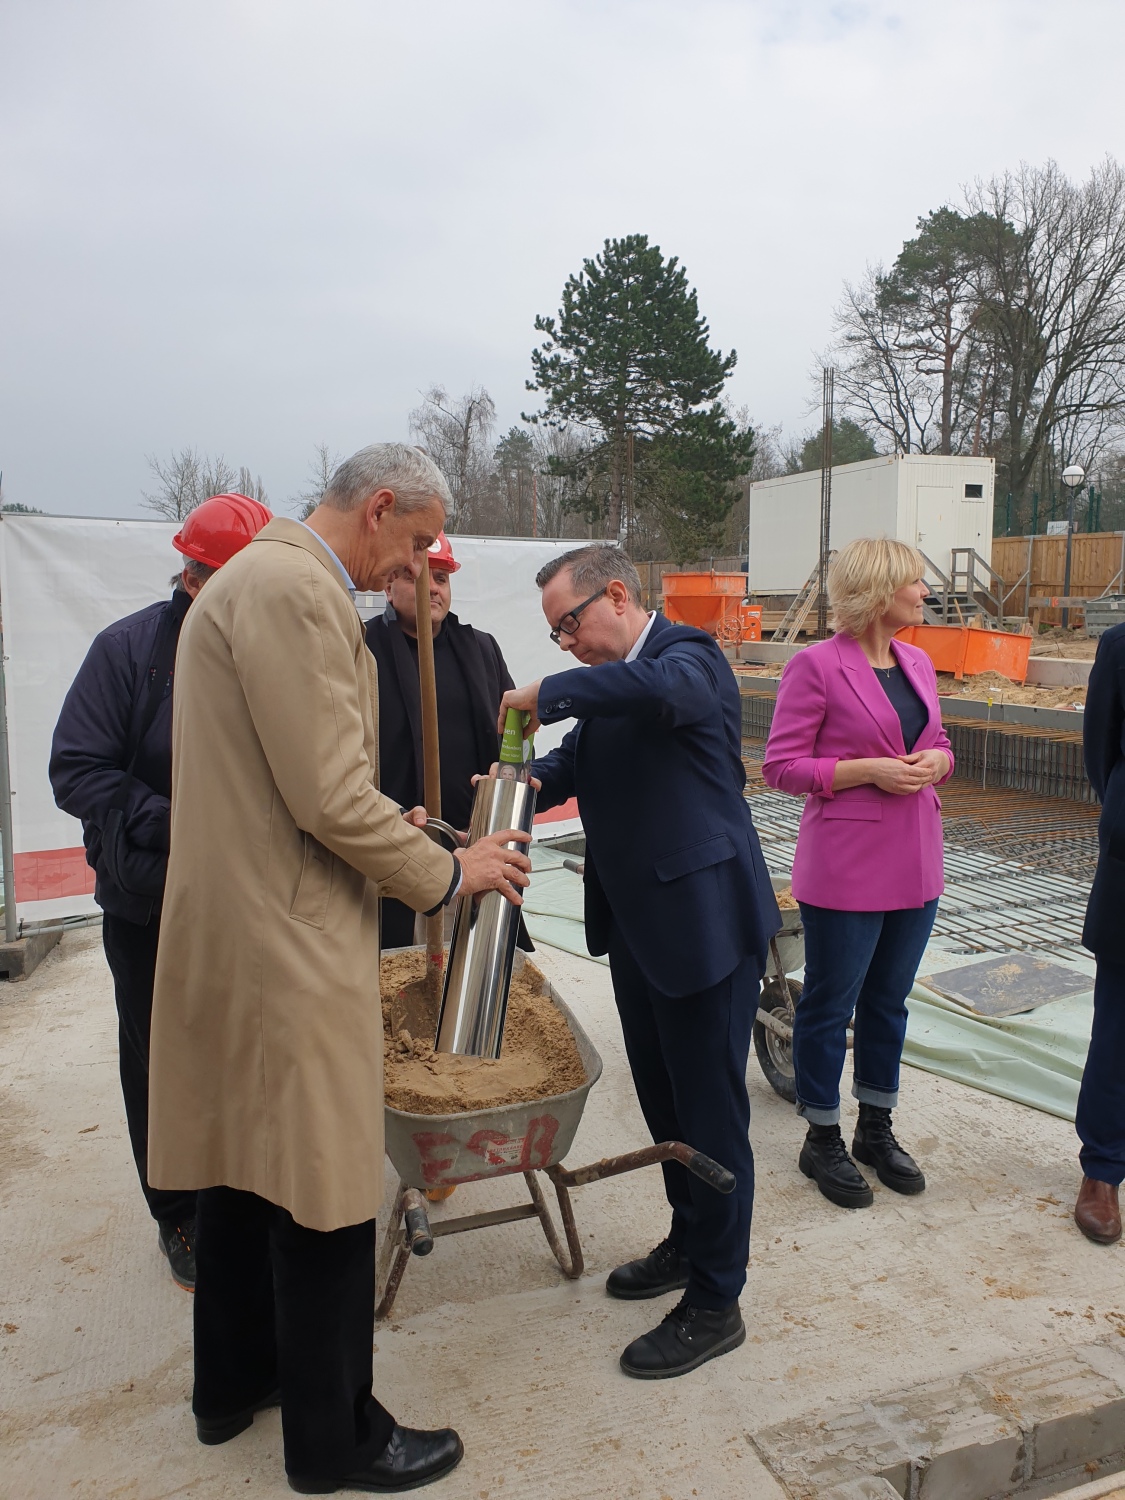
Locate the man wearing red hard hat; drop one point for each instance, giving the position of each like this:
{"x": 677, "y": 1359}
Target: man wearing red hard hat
{"x": 111, "y": 766}
{"x": 471, "y": 678}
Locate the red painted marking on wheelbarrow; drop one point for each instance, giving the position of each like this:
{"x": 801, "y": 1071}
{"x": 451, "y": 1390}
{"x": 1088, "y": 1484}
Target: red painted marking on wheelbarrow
{"x": 429, "y": 1142}
{"x": 525, "y": 1153}
{"x": 509, "y": 1153}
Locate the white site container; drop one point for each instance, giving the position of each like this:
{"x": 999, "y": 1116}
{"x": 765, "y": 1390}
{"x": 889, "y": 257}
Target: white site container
{"x": 933, "y": 503}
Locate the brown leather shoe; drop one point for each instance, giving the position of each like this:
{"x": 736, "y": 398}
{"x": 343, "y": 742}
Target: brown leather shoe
{"x": 1097, "y": 1213}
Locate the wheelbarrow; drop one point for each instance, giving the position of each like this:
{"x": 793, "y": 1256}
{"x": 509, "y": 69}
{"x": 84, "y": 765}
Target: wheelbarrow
{"x": 443, "y": 1151}
{"x": 777, "y": 1004}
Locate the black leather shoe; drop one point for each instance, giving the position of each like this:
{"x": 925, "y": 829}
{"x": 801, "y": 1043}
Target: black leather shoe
{"x": 686, "y": 1338}
{"x": 409, "y": 1460}
{"x": 825, "y": 1159}
{"x": 178, "y": 1243}
{"x": 875, "y": 1146}
{"x": 661, "y": 1270}
{"x": 214, "y": 1430}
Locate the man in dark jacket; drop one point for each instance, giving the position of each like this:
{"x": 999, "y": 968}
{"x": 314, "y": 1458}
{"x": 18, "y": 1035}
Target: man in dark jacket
{"x": 471, "y": 678}
{"x": 1100, "y": 1120}
{"x": 117, "y": 715}
{"x": 678, "y": 895}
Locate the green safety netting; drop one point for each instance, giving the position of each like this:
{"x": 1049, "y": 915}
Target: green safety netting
{"x": 1035, "y": 1059}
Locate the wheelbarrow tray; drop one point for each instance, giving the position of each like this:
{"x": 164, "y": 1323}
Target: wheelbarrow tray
{"x": 431, "y": 1151}
{"x": 791, "y": 939}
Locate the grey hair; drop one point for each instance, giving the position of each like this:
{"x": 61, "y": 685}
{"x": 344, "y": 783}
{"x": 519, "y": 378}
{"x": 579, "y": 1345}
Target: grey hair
{"x": 199, "y": 571}
{"x": 594, "y": 567}
{"x": 410, "y": 473}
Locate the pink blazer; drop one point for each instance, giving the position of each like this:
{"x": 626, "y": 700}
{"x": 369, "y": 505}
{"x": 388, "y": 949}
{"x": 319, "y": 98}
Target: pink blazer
{"x": 861, "y": 849}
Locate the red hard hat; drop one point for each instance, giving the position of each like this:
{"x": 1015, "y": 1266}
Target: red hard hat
{"x": 441, "y": 554}
{"x": 220, "y": 527}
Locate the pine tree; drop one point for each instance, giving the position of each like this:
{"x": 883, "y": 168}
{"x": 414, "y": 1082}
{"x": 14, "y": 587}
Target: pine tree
{"x": 629, "y": 356}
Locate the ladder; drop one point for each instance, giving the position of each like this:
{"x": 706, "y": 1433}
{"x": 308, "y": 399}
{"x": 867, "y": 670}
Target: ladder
{"x": 803, "y": 605}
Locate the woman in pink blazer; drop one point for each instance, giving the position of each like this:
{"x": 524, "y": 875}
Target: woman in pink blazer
{"x": 857, "y": 732}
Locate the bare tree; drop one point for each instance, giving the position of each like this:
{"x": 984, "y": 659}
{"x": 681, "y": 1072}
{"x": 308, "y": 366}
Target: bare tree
{"x": 457, "y": 434}
{"x": 1052, "y": 290}
{"x": 188, "y": 478}
{"x": 249, "y": 484}
{"x": 570, "y": 488}
{"x": 322, "y": 466}
{"x": 877, "y": 380}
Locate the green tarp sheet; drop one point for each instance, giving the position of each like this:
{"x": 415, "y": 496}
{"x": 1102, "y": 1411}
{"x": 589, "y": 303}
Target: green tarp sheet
{"x": 1035, "y": 1059}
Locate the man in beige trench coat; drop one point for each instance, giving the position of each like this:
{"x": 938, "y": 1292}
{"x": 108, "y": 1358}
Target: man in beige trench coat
{"x": 266, "y": 1052}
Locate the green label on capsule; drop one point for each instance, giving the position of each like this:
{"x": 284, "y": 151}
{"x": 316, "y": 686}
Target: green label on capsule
{"x": 511, "y": 746}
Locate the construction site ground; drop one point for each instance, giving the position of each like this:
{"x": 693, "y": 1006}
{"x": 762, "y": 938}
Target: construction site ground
{"x": 847, "y": 1313}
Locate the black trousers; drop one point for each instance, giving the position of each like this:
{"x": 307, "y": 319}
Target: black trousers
{"x": 279, "y": 1305}
{"x": 1100, "y": 1121}
{"x": 688, "y": 1059}
{"x": 396, "y": 924}
{"x": 130, "y": 951}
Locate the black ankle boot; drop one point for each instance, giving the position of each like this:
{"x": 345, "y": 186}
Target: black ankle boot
{"x": 825, "y": 1159}
{"x": 661, "y": 1270}
{"x": 875, "y": 1146}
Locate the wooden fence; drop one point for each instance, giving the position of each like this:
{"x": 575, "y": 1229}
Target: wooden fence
{"x": 1095, "y": 568}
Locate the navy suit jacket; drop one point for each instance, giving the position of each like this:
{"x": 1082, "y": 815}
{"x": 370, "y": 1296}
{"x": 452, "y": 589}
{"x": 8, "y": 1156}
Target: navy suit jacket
{"x": 672, "y": 855}
{"x": 1103, "y": 740}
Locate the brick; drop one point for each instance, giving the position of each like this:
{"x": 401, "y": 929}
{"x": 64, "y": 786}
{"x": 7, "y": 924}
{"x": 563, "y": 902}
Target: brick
{"x": 870, "y": 1487}
{"x": 974, "y": 1472}
{"x": 1079, "y": 1437}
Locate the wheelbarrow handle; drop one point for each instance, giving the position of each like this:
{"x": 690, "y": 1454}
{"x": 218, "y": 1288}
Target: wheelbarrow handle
{"x": 703, "y": 1167}
{"x": 710, "y": 1172}
{"x": 417, "y": 1221}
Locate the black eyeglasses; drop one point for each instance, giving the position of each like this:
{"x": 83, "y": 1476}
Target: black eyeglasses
{"x": 570, "y": 622}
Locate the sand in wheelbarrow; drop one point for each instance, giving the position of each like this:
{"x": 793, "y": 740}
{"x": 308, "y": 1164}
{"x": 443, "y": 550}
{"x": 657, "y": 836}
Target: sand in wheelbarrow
{"x": 538, "y": 1058}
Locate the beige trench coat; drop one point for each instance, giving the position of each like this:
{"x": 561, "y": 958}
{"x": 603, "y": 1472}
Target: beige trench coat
{"x": 266, "y": 1068}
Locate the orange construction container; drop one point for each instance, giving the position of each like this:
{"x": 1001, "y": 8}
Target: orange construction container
{"x": 705, "y": 600}
{"x": 965, "y": 652}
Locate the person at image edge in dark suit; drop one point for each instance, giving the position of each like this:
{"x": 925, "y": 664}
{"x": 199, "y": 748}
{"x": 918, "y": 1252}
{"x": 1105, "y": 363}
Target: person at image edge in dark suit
{"x": 471, "y": 677}
{"x": 1100, "y": 1120}
{"x": 678, "y": 895}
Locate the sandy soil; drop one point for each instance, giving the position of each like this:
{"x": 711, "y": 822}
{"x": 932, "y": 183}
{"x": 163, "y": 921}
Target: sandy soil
{"x": 538, "y": 1059}
{"x": 991, "y": 684}
{"x": 1068, "y": 644}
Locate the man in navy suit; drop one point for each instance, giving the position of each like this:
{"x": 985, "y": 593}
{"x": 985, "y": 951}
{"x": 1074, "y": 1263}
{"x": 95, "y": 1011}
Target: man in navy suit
{"x": 678, "y": 895}
{"x": 1100, "y": 1121}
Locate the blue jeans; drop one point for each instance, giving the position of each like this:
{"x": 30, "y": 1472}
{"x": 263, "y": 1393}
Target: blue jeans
{"x": 861, "y": 961}
{"x": 1100, "y": 1121}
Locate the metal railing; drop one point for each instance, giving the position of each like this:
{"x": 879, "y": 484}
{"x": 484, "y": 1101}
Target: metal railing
{"x": 971, "y": 587}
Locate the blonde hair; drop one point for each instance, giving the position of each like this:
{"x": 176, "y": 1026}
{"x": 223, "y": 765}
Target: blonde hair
{"x": 864, "y": 577}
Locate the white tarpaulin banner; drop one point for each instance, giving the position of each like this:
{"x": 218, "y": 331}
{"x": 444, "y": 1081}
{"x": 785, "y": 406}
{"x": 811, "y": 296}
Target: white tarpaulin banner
{"x": 64, "y": 579}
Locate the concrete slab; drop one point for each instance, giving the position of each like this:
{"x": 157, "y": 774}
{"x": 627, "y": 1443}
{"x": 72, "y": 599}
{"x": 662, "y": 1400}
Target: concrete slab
{"x": 23, "y": 956}
{"x": 95, "y": 1351}
{"x": 1057, "y": 671}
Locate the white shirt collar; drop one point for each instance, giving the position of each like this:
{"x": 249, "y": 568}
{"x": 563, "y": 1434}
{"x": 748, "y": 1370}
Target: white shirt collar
{"x": 343, "y": 571}
{"x": 638, "y": 644}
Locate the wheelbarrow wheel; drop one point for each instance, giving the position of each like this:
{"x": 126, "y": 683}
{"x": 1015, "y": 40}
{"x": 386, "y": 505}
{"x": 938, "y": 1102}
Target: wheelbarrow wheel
{"x": 775, "y": 1054}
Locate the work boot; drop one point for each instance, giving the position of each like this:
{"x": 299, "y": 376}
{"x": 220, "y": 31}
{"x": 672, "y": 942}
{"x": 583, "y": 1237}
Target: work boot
{"x": 409, "y": 1460}
{"x": 686, "y": 1338}
{"x": 825, "y": 1159}
{"x": 661, "y": 1270}
{"x": 1097, "y": 1212}
{"x": 178, "y": 1243}
{"x": 875, "y": 1146}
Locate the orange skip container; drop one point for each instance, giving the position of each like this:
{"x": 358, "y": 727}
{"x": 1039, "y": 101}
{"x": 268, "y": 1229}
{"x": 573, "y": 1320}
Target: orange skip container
{"x": 712, "y": 602}
{"x": 965, "y": 652}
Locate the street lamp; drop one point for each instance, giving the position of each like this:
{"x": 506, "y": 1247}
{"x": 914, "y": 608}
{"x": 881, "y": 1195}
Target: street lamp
{"x": 1072, "y": 477}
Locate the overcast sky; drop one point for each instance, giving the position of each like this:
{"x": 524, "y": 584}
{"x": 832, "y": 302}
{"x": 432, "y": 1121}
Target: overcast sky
{"x": 252, "y": 227}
